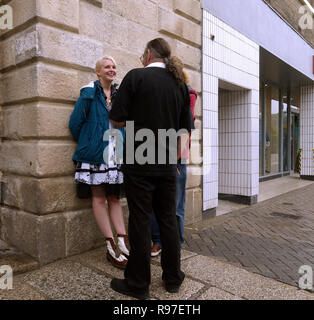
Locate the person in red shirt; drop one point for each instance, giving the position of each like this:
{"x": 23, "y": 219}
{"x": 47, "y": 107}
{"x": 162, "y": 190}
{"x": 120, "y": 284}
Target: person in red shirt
{"x": 183, "y": 155}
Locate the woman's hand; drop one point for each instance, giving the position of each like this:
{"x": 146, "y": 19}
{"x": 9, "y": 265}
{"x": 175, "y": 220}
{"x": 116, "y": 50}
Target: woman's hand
{"x": 118, "y": 124}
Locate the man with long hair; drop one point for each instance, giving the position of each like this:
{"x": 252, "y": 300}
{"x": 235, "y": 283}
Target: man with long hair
{"x": 155, "y": 98}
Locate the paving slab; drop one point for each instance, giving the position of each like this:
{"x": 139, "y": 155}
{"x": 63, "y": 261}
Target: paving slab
{"x": 217, "y": 294}
{"x": 269, "y": 189}
{"x": 240, "y": 282}
{"x": 273, "y": 238}
{"x": 88, "y": 276}
{"x": 185, "y": 254}
{"x": 69, "y": 280}
{"x": 188, "y": 289}
{"x": 96, "y": 260}
{"x": 21, "y": 291}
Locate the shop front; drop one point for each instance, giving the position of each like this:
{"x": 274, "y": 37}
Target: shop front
{"x": 258, "y": 100}
{"x": 280, "y": 151}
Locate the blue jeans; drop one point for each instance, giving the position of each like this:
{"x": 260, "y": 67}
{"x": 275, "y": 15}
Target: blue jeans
{"x": 180, "y": 207}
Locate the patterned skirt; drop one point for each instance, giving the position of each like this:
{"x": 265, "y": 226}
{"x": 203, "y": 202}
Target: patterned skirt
{"x": 110, "y": 177}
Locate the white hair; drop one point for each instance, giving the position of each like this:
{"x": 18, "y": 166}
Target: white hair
{"x": 100, "y": 62}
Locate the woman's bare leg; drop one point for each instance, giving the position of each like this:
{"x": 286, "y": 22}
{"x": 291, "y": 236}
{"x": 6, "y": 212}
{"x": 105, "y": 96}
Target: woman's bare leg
{"x": 116, "y": 214}
{"x": 102, "y": 218}
{"x": 100, "y": 211}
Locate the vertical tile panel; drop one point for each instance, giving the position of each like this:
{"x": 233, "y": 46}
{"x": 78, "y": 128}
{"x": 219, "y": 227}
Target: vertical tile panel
{"x": 236, "y": 61}
{"x": 307, "y": 129}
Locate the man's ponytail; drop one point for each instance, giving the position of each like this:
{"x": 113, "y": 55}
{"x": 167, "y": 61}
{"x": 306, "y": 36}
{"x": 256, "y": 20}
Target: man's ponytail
{"x": 175, "y": 67}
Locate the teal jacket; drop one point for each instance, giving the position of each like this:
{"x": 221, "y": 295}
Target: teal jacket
{"x": 88, "y": 123}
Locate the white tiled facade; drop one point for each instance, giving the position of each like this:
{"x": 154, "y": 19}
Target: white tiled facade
{"x": 230, "y": 118}
{"x": 307, "y": 130}
{"x": 238, "y": 153}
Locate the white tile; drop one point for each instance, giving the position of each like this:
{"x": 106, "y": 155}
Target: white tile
{"x": 206, "y": 29}
{"x": 207, "y": 155}
{"x": 213, "y": 118}
{"x": 255, "y": 124}
{"x": 255, "y": 138}
{"x": 206, "y": 102}
{"x": 206, "y": 14}
{"x": 213, "y": 203}
{"x": 206, "y": 191}
{"x": 254, "y": 191}
{"x": 206, "y": 137}
{"x": 206, "y": 205}
{"x": 255, "y": 111}
{"x": 254, "y": 153}
{"x": 255, "y": 180}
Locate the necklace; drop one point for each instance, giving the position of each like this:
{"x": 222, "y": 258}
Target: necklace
{"x": 108, "y": 98}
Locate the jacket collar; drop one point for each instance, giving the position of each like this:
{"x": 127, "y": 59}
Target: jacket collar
{"x": 113, "y": 87}
{"x": 89, "y": 91}
{"x": 101, "y": 95}
{"x": 157, "y": 64}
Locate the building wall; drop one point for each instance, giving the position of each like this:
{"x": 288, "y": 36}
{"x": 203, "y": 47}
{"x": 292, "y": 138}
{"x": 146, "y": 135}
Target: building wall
{"x": 307, "y": 131}
{"x": 289, "y": 11}
{"x": 46, "y": 58}
{"x": 237, "y": 133}
{"x": 261, "y": 24}
{"x": 233, "y": 58}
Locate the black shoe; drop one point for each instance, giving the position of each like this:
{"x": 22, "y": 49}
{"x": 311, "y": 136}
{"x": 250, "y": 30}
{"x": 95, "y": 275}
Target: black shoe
{"x": 171, "y": 288}
{"x": 120, "y": 285}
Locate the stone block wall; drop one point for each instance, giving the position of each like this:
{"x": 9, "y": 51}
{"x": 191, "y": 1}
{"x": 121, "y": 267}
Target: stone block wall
{"x": 46, "y": 58}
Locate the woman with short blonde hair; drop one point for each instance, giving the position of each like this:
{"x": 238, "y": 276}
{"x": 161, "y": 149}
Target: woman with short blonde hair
{"x": 88, "y": 123}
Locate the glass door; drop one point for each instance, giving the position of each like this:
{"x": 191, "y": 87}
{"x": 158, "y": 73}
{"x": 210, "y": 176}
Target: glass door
{"x": 295, "y": 128}
{"x": 279, "y": 130}
{"x": 272, "y": 118}
{"x": 286, "y": 135}
{"x": 295, "y": 142}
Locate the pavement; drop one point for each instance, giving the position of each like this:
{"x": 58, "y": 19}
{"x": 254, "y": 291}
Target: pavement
{"x": 273, "y": 238}
{"x": 253, "y": 253}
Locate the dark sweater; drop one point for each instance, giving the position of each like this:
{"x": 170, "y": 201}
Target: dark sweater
{"x": 153, "y": 100}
